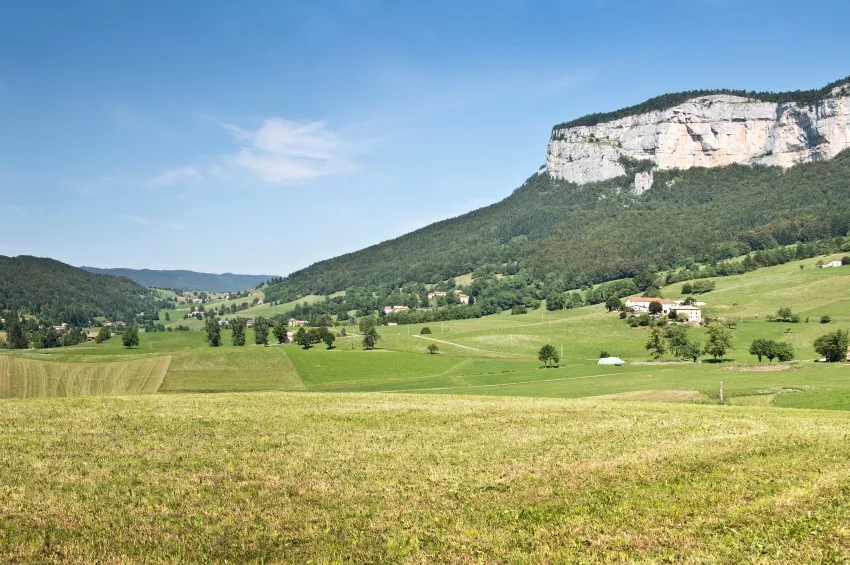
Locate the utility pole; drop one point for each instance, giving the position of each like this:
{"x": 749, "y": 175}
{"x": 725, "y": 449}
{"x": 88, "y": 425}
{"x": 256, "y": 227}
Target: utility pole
{"x": 721, "y": 392}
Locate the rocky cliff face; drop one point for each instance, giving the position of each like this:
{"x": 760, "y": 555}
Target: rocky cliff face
{"x": 708, "y": 131}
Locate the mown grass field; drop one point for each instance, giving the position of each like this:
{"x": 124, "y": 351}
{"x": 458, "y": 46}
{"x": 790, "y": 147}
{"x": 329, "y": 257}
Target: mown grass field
{"x": 305, "y": 477}
{"x": 28, "y": 378}
{"x": 473, "y": 455}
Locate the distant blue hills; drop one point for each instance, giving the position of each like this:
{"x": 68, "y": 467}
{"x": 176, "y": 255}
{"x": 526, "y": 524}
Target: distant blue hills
{"x": 186, "y": 280}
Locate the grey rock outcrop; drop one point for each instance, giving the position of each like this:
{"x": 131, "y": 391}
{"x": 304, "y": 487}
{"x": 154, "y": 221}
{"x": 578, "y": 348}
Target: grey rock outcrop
{"x": 707, "y": 131}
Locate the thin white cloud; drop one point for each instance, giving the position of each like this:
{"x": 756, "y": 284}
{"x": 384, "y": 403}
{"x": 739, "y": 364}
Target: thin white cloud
{"x": 136, "y": 220}
{"x": 176, "y": 226}
{"x": 179, "y": 176}
{"x": 19, "y": 210}
{"x": 281, "y": 151}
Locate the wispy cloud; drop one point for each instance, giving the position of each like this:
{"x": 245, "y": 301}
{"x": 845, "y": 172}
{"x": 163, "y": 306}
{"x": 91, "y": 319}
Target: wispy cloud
{"x": 137, "y": 220}
{"x": 176, "y": 226}
{"x": 21, "y": 211}
{"x": 176, "y": 177}
{"x": 282, "y": 151}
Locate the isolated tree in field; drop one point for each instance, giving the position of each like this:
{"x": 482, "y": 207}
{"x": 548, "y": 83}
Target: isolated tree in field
{"x": 692, "y": 350}
{"x": 261, "y": 331}
{"x": 329, "y": 340}
{"x": 613, "y": 303}
{"x": 343, "y": 332}
{"x": 167, "y": 317}
{"x": 677, "y": 338}
{"x": 370, "y": 338}
{"x": 367, "y": 323}
{"x": 433, "y": 349}
{"x": 213, "y": 329}
{"x": 687, "y": 288}
{"x": 783, "y": 351}
{"x": 719, "y": 341}
{"x": 279, "y": 330}
{"x": 763, "y": 348}
{"x": 237, "y": 326}
{"x": 832, "y": 346}
{"x": 103, "y": 334}
{"x": 655, "y": 308}
{"x": 425, "y": 331}
{"x": 130, "y": 337}
{"x": 548, "y": 354}
{"x": 656, "y": 343}
{"x": 302, "y": 338}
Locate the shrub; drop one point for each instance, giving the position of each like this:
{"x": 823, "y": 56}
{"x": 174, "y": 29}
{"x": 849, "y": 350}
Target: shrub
{"x": 432, "y": 348}
{"x": 519, "y": 309}
{"x": 623, "y": 315}
{"x": 832, "y": 346}
{"x": 425, "y": 331}
{"x": 687, "y": 288}
{"x": 603, "y": 354}
{"x": 825, "y": 319}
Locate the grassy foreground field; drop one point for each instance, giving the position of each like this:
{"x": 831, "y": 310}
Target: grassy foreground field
{"x": 20, "y": 377}
{"x": 283, "y": 477}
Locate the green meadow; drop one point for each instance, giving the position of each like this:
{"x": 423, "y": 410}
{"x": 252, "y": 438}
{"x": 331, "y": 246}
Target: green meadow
{"x": 176, "y": 451}
{"x": 497, "y": 355}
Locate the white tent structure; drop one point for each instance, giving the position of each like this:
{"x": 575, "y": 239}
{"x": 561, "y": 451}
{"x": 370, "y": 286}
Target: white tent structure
{"x": 610, "y": 361}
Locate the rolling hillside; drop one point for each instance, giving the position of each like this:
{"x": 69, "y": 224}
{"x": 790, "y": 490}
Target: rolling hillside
{"x": 59, "y": 292}
{"x": 186, "y": 280}
{"x": 604, "y": 231}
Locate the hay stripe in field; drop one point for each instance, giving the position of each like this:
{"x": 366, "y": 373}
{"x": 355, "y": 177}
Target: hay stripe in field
{"x": 28, "y": 378}
{"x": 507, "y": 384}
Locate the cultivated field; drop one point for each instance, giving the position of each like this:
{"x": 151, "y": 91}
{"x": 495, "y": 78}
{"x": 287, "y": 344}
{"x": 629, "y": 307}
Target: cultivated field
{"x": 28, "y": 378}
{"x": 475, "y": 454}
{"x": 301, "y": 477}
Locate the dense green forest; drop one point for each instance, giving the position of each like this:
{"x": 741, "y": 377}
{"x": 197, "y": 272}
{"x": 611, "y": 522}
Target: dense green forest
{"x": 666, "y": 101}
{"x": 186, "y": 280}
{"x": 602, "y": 231}
{"x": 56, "y": 292}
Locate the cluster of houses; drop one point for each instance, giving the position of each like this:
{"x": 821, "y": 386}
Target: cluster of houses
{"x": 835, "y": 263}
{"x": 641, "y": 304}
{"x": 463, "y": 298}
{"x": 395, "y": 309}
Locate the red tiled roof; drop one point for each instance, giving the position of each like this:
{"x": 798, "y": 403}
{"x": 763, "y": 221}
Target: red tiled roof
{"x": 651, "y": 299}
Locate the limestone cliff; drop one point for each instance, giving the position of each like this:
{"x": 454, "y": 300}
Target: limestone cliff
{"x": 706, "y": 131}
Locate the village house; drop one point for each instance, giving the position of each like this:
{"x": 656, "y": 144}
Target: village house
{"x": 249, "y": 323}
{"x": 464, "y": 299}
{"x": 224, "y": 323}
{"x": 435, "y": 294}
{"x": 91, "y": 336}
{"x": 693, "y": 313}
{"x": 297, "y": 323}
{"x": 835, "y": 263}
{"x": 61, "y": 327}
{"x": 395, "y": 309}
{"x": 641, "y": 304}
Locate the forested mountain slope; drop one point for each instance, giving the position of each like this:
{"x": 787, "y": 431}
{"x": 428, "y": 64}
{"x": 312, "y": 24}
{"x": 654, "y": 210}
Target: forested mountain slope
{"x": 61, "y": 293}
{"x": 603, "y": 231}
{"x": 186, "y": 280}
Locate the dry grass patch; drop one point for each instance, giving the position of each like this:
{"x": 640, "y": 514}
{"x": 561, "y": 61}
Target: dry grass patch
{"x": 298, "y": 477}
{"x": 21, "y": 377}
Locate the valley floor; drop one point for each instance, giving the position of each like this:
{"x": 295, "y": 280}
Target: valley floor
{"x": 475, "y": 454}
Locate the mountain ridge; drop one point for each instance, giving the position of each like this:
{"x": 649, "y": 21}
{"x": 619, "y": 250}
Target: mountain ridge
{"x": 181, "y": 279}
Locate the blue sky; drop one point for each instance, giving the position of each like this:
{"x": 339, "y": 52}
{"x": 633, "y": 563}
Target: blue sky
{"x": 260, "y": 137}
